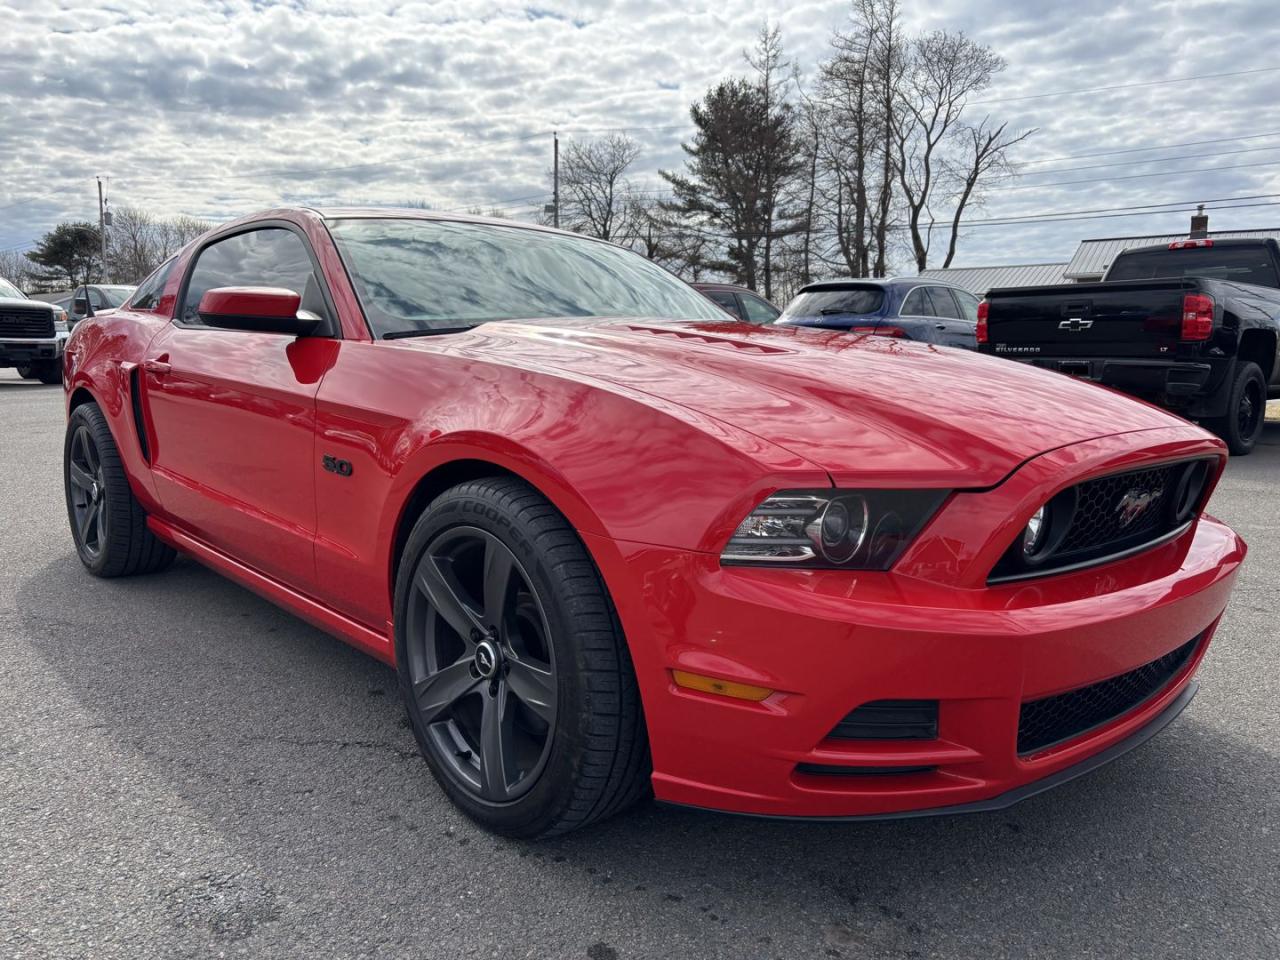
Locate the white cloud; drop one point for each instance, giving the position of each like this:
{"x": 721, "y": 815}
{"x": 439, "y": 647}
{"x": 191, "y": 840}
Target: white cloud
{"x": 215, "y": 109}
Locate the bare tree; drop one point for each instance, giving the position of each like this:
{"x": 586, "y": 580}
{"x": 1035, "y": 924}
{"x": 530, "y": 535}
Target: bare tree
{"x": 16, "y": 268}
{"x": 593, "y": 187}
{"x": 984, "y": 157}
{"x": 856, "y": 107}
{"x": 943, "y": 71}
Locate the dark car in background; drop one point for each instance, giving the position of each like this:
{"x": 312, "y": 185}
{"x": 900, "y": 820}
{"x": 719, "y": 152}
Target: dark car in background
{"x": 1193, "y": 326}
{"x": 908, "y": 308}
{"x": 99, "y": 296}
{"x": 740, "y": 302}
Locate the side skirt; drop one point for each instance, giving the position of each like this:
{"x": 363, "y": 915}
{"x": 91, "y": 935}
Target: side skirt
{"x": 313, "y": 611}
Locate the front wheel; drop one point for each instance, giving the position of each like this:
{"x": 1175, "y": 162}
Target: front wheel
{"x": 24, "y": 371}
{"x": 46, "y": 371}
{"x": 513, "y": 666}
{"x": 1246, "y": 410}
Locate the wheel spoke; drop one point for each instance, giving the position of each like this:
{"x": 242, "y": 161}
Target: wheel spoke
{"x": 444, "y": 688}
{"x": 497, "y": 746}
{"x": 442, "y": 596}
{"x": 498, "y": 565}
{"x": 80, "y": 477}
{"x": 90, "y": 451}
{"x": 88, "y": 519}
{"x": 534, "y": 686}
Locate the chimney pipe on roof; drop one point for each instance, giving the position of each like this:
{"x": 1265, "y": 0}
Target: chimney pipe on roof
{"x": 1199, "y": 224}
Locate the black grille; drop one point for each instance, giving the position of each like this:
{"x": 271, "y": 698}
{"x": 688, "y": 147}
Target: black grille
{"x": 1099, "y": 517}
{"x": 1109, "y": 516}
{"x": 890, "y": 720}
{"x": 1042, "y": 723}
{"x": 24, "y": 322}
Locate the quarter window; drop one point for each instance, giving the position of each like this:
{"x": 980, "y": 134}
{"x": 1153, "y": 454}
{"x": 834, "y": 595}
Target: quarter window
{"x": 726, "y": 299}
{"x": 152, "y": 289}
{"x": 917, "y": 304}
{"x": 758, "y": 311}
{"x": 943, "y": 305}
{"x": 968, "y": 305}
{"x": 271, "y": 257}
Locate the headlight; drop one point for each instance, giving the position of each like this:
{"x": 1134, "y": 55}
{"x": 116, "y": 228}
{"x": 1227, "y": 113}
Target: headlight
{"x": 1036, "y": 532}
{"x": 849, "y": 529}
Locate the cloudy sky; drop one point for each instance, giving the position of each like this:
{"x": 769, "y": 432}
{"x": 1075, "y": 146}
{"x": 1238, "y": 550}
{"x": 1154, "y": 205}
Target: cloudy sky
{"x": 216, "y": 109}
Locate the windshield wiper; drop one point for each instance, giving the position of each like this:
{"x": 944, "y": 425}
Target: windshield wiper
{"x": 833, "y": 312}
{"x": 434, "y": 331}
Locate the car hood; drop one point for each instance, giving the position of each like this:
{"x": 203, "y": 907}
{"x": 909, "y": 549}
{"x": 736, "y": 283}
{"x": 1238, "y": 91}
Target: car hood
{"x": 20, "y": 302}
{"x": 866, "y": 409}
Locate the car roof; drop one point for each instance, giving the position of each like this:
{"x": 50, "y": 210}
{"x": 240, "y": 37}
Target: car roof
{"x": 884, "y": 283}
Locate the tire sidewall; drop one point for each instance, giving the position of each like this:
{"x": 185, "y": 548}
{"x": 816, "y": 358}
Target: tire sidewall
{"x": 1248, "y": 372}
{"x": 528, "y": 814}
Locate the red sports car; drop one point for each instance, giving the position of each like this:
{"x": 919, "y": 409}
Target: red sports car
{"x": 766, "y": 570}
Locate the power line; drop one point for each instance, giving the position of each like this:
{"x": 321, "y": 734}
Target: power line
{"x": 1130, "y": 163}
{"x": 1126, "y": 86}
{"x": 1166, "y": 146}
{"x": 1136, "y": 176}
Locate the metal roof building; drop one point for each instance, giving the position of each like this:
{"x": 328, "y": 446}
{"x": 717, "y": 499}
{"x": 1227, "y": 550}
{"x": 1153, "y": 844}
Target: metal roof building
{"x": 1093, "y": 257}
{"x": 978, "y": 280}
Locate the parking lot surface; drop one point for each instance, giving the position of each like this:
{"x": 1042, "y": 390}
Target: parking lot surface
{"x": 186, "y": 770}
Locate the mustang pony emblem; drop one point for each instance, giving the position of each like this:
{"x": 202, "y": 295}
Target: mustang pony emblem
{"x": 1135, "y": 503}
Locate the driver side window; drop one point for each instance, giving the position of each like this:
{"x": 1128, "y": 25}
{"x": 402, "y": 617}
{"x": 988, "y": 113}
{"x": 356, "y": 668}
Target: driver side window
{"x": 271, "y": 257}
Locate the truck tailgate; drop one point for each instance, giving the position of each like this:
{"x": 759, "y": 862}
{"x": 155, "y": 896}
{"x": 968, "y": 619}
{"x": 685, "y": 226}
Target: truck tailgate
{"x": 1139, "y": 319}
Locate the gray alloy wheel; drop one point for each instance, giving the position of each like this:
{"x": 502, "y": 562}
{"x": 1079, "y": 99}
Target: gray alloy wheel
{"x": 513, "y": 667}
{"x": 481, "y": 664}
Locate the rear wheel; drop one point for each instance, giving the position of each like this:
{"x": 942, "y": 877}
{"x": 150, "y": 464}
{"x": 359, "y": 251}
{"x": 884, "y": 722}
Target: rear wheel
{"x": 24, "y": 371}
{"x": 1246, "y": 410}
{"x": 513, "y": 666}
{"x": 108, "y": 524}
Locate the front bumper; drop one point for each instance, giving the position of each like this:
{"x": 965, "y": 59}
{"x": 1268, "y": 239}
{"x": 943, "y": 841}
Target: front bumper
{"x": 18, "y": 352}
{"x": 829, "y": 641}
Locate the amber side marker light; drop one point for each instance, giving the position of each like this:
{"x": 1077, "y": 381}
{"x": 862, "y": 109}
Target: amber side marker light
{"x": 726, "y": 688}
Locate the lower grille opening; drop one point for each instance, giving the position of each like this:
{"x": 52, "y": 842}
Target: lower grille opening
{"x": 890, "y": 720}
{"x": 1043, "y": 723}
{"x": 834, "y": 770}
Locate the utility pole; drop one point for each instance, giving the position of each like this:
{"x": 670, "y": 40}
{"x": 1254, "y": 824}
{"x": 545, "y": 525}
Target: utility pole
{"x": 102, "y": 228}
{"x": 553, "y": 207}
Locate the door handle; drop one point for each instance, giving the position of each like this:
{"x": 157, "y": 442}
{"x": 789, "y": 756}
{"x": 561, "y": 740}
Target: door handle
{"x": 158, "y": 365}
{"x": 940, "y": 326}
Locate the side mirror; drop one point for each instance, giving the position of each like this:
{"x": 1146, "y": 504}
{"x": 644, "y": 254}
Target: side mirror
{"x": 264, "y": 309}
{"x": 80, "y": 307}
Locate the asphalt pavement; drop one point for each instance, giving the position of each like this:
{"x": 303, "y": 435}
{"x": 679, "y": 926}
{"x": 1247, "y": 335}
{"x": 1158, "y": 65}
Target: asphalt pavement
{"x": 187, "y": 771}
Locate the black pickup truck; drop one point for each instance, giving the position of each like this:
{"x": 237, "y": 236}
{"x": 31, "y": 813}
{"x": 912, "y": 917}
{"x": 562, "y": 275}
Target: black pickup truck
{"x": 1192, "y": 326}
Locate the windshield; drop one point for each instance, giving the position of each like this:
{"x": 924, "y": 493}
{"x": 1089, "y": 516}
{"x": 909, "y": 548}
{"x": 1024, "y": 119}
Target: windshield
{"x": 115, "y": 296}
{"x": 425, "y": 276}
{"x": 7, "y": 289}
{"x": 848, "y": 300}
{"x": 1244, "y": 264}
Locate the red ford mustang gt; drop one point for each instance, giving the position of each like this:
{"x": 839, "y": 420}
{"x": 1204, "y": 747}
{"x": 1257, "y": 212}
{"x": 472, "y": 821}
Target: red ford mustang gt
{"x": 611, "y": 548}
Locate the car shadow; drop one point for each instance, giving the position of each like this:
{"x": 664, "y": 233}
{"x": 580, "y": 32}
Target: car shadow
{"x": 267, "y": 727}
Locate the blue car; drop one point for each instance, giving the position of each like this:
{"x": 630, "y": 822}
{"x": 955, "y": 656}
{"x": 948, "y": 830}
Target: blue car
{"x": 908, "y": 308}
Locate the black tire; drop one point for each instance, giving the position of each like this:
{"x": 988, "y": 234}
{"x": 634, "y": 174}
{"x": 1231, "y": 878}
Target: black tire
{"x": 590, "y": 742}
{"x": 108, "y": 524}
{"x": 47, "y": 371}
{"x": 24, "y": 371}
{"x": 1246, "y": 410}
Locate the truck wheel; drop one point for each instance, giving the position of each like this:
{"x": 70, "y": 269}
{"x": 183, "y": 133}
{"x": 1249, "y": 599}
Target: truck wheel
{"x": 47, "y": 371}
{"x": 513, "y": 666}
{"x": 24, "y": 371}
{"x": 108, "y": 524}
{"x": 1246, "y": 410}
